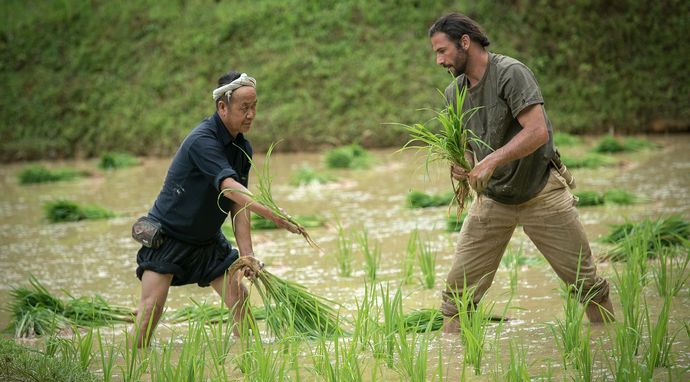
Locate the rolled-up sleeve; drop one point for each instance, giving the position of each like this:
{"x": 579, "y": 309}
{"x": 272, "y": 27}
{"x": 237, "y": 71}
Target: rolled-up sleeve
{"x": 207, "y": 154}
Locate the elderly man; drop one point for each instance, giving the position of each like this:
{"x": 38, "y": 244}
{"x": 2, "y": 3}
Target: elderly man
{"x": 516, "y": 182}
{"x": 189, "y": 212}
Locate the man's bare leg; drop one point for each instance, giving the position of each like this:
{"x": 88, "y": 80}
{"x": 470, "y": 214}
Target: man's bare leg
{"x": 600, "y": 312}
{"x": 234, "y": 294}
{"x": 154, "y": 292}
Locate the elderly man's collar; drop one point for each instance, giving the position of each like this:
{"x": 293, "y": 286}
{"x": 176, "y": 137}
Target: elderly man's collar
{"x": 225, "y": 137}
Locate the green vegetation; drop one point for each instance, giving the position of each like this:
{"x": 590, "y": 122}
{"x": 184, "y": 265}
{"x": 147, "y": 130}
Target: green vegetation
{"x": 20, "y": 363}
{"x": 613, "y": 196}
{"x": 68, "y": 211}
{"x": 113, "y": 161}
{"x": 561, "y": 139}
{"x": 289, "y": 304}
{"x": 454, "y": 224}
{"x": 37, "y": 312}
{"x": 143, "y": 63}
{"x": 306, "y": 175}
{"x": 344, "y": 252}
{"x": 305, "y": 221}
{"x": 448, "y": 143}
{"x": 41, "y": 174}
{"x": 372, "y": 255}
{"x": 589, "y": 160}
{"x": 611, "y": 145}
{"x": 651, "y": 235}
{"x": 419, "y": 199}
{"x": 350, "y": 156}
{"x": 426, "y": 256}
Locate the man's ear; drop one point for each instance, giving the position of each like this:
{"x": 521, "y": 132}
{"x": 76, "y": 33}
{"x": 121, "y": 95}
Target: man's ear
{"x": 465, "y": 42}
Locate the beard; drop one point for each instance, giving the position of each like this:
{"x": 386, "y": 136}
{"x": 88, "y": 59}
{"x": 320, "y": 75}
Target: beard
{"x": 459, "y": 64}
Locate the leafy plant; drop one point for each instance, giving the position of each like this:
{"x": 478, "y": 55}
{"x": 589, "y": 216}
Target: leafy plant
{"x": 113, "y": 161}
{"x": 650, "y": 234}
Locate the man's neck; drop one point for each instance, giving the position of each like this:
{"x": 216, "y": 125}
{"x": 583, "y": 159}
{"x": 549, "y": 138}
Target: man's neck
{"x": 477, "y": 63}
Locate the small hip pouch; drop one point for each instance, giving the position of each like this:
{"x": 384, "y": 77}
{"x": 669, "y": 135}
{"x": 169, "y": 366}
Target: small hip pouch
{"x": 562, "y": 170}
{"x": 148, "y": 232}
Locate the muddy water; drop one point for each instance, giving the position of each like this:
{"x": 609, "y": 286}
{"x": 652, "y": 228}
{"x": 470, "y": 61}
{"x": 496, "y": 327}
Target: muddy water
{"x": 98, "y": 257}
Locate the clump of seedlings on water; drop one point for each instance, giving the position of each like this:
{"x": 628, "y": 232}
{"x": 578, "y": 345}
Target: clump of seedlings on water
{"x": 41, "y": 174}
{"x": 306, "y": 175}
{"x": 419, "y": 199}
{"x": 351, "y": 156}
{"x": 64, "y": 210}
{"x": 115, "y": 160}
{"x": 265, "y": 196}
{"x": 290, "y": 304}
{"x": 652, "y": 235}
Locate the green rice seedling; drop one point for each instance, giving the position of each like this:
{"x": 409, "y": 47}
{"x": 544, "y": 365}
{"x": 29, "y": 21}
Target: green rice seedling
{"x": 413, "y": 350}
{"x": 649, "y": 234}
{"x": 454, "y": 223}
{"x": 564, "y": 139}
{"x": 629, "y": 283}
{"x": 306, "y": 175}
{"x": 568, "y": 332}
{"x": 637, "y": 144}
{"x": 618, "y": 196}
{"x": 291, "y": 303}
{"x": 305, "y": 221}
{"x": 107, "y": 353}
{"x": 659, "y": 351}
{"x": 622, "y": 360}
{"x": 427, "y": 263}
{"x": 513, "y": 261}
{"x": 366, "y": 317}
{"x": 265, "y": 196}
{"x": 114, "y": 161}
{"x": 609, "y": 145}
{"x": 337, "y": 360}
{"x": 83, "y": 345}
{"x": 517, "y": 370}
{"x": 22, "y": 363}
{"x": 40, "y": 174}
{"x": 345, "y": 252}
{"x": 589, "y": 160}
{"x": 350, "y": 156}
{"x": 449, "y": 143}
{"x": 392, "y": 319}
{"x": 419, "y": 199}
{"x": 68, "y": 211}
{"x": 670, "y": 276}
{"x": 410, "y": 256}
{"x": 473, "y": 327}
{"x": 133, "y": 368}
{"x": 423, "y": 320}
{"x": 589, "y": 198}
{"x": 372, "y": 255}
{"x": 256, "y": 361}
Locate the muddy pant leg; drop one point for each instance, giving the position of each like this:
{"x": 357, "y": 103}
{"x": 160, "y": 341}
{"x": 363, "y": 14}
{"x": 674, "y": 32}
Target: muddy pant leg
{"x": 483, "y": 239}
{"x": 552, "y": 223}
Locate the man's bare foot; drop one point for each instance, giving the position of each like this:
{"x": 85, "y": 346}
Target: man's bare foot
{"x": 600, "y": 312}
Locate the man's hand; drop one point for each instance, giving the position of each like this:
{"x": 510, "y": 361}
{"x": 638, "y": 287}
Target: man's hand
{"x": 458, "y": 173}
{"x": 481, "y": 174}
{"x": 249, "y": 271}
{"x": 282, "y": 223}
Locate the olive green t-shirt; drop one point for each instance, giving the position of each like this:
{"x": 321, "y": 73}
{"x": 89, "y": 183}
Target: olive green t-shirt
{"x": 507, "y": 88}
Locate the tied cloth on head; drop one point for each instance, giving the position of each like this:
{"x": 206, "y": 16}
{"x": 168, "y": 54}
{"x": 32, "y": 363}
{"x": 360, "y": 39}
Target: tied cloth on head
{"x": 227, "y": 89}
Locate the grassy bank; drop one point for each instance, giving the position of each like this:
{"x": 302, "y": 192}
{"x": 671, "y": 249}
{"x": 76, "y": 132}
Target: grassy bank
{"x": 136, "y": 77}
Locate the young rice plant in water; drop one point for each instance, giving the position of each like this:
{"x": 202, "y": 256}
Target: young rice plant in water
{"x": 450, "y": 142}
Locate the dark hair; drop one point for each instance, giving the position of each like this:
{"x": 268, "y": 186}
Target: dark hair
{"x": 455, "y": 25}
{"x": 224, "y": 80}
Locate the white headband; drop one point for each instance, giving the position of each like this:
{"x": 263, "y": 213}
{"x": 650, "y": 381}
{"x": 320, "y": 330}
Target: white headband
{"x": 227, "y": 89}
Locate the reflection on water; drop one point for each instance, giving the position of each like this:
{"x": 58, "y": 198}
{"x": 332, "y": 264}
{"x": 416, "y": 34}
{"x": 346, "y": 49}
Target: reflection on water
{"x": 99, "y": 257}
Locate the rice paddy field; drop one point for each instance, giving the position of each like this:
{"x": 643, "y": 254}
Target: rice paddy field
{"x": 380, "y": 261}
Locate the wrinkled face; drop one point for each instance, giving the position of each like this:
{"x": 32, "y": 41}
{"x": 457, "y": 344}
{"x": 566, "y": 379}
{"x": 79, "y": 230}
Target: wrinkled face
{"x": 448, "y": 54}
{"x": 238, "y": 117}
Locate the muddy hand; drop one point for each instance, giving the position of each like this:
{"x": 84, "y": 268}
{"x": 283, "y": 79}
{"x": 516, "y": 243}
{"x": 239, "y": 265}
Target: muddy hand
{"x": 457, "y": 172}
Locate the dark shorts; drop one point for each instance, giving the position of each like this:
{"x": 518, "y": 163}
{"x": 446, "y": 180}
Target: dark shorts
{"x": 188, "y": 263}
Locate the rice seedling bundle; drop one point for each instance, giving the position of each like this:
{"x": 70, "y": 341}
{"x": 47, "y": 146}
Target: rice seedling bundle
{"x": 589, "y": 160}
{"x": 609, "y": 145}
{"x": 636, "y": 144}
{"x": 419, "y": 199}
{"x": 351, "y": 156}
{"x": 589, "y": 198}
{"x": 289, "y": 304}
{"x": 37, "y": 312}
{"x": 40, "y": 174}
{"x": 306, "y": 221}
{"x": 306, "y": 175}
{"x": 565, "y": 139}
{"x": 112, "y": 161}
{"x": 454, "y": 223}
{"x": 449, "y": 143}
{"x": 210, "y": 313}
{"x": 265, "y": 196}
{"x": 421, "y": 320}
{"x": 68, "y": 211}
{"x": 652, "y": 234}
{"x": 618, "y": 196}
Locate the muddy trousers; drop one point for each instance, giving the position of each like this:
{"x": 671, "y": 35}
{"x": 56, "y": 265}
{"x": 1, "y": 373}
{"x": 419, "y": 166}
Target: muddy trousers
{"x": 550, "y": 220}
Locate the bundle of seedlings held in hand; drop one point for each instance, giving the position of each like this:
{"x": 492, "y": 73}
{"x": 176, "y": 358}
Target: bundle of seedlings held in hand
{"x": 37, "y": 312}
{"x": 450, "y": 142}
{"x": 265, "y": 197}
{"x": 290, "y": 305}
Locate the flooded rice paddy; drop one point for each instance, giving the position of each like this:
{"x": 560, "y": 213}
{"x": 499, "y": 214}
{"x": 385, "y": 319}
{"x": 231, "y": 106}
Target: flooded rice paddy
{"x": 99, "y": 257}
